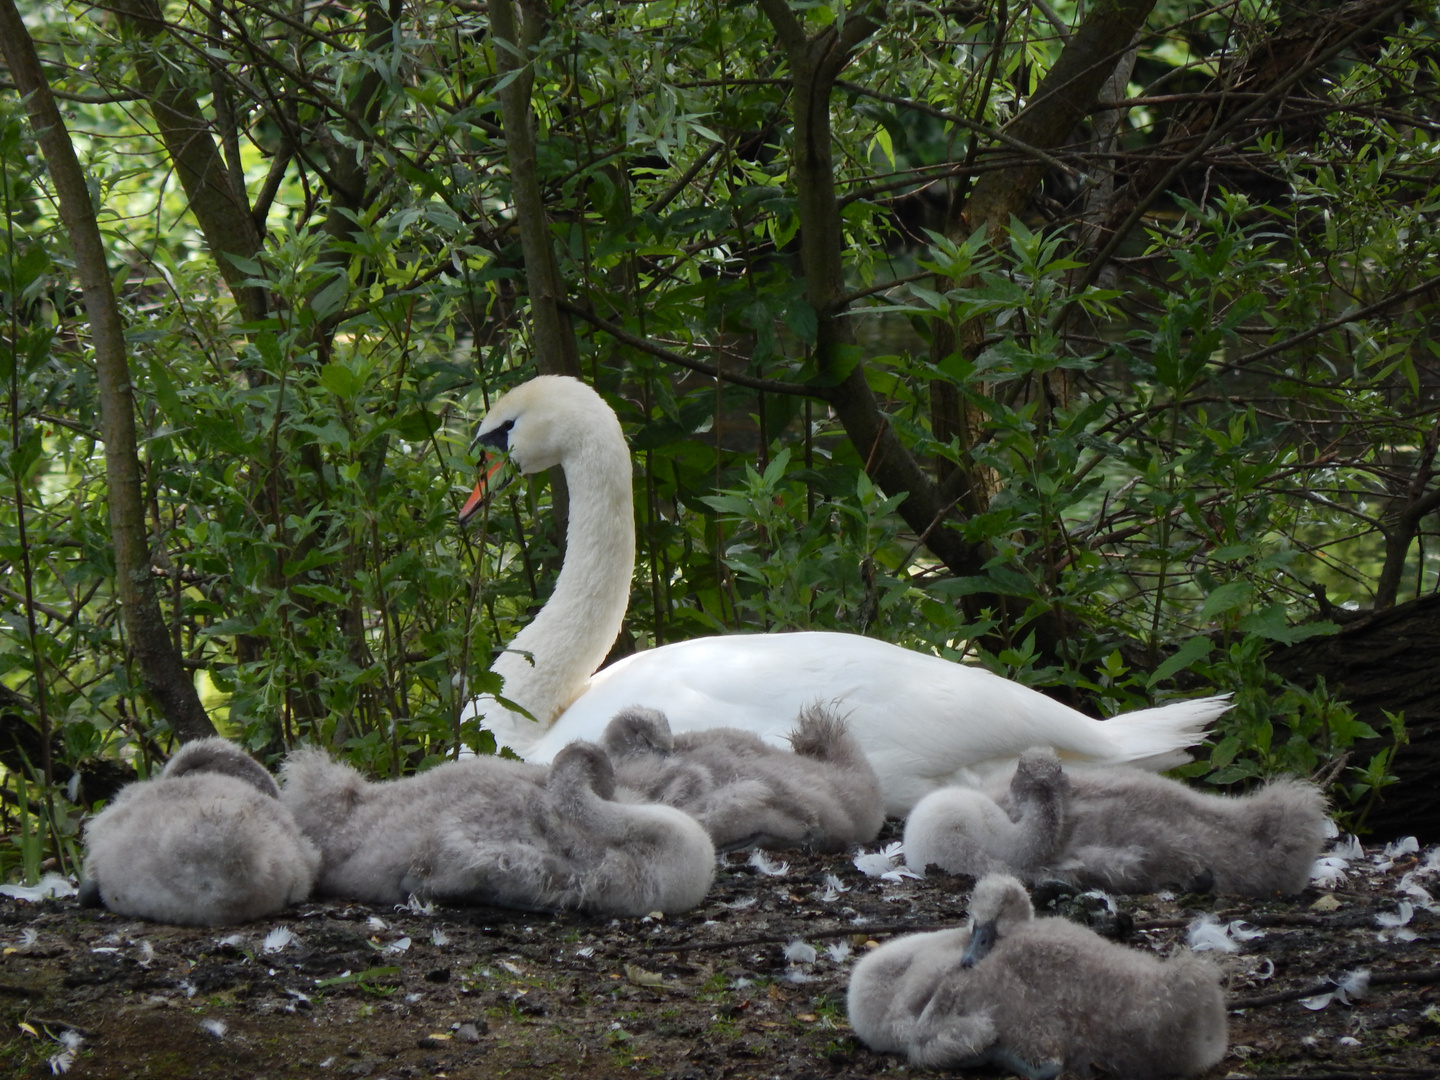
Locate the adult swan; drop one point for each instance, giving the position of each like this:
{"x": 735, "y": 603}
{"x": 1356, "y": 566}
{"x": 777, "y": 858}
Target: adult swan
{"x": 924, "y": 722}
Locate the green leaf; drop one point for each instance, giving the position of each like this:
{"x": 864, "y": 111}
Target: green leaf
{"x": 244, "y": 265}
{"x": 417, "y": 425}
{"x": 368, "y": 975}
{"x": 1231, "y": 774}
{"x": 328, "y": 300}
{"x": 1273, "y": 623}
{"x": 326, "y": 594}
{"x": 1227, "y": 597}
{"x": 1197, "y": 648}
{"x": 800, "y": 317}
{"x": 176, "y": 412}
{"x": 882, "y": 140}
{"x": 341, "y": 381}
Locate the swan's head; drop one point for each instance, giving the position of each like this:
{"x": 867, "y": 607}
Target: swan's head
{"x": 998, "y": 905}
{"x": 542, "y": 422}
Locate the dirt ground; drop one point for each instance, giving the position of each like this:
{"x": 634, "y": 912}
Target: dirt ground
{"x": 362, "y": 992}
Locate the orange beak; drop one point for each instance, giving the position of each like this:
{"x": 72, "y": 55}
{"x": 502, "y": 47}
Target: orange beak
{"x": 481, "y": 492}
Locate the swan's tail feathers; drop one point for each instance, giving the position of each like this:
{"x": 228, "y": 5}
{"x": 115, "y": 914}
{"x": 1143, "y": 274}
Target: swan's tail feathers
{"x": 1156, "y": 738}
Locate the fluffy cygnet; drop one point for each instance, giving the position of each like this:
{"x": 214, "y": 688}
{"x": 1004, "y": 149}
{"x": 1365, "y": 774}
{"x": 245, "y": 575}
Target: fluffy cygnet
{"x": 822, "y": 793}
{"x": 1036, "y": 997}
{"x": 493, "y": 831}
{"x": 1123, "y": 830}
{"x": 206, "y": 842}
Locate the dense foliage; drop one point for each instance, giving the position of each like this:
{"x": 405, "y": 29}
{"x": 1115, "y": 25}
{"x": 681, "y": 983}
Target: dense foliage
{"x": 1090, "y": 343}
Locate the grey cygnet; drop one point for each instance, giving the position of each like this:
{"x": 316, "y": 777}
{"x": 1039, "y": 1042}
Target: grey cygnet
{"x": 494, "y": 831}
{"x": 822, "y": 793}
{"x": 1037, "y": 996}
{"x": 207, "y": 842}
{"x": 1123, "y": 830}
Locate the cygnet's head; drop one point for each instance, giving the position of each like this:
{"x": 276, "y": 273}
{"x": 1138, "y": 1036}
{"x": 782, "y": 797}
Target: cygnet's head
{"x": 636, "y": 731}
{"x": 220, "y": 755}
{"x": 1039, "y": 772}
{"x": 583, "y": 766}
{"x": 542, "y": 422}
{"x": 998, "y": 905}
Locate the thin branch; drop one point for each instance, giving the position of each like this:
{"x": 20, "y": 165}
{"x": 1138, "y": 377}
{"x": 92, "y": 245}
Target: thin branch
{"x": 83, "y": 99}
{"x": 770, "y": 386}
{"x": 997, "y": 135}
{"x": 1340, "y": 320}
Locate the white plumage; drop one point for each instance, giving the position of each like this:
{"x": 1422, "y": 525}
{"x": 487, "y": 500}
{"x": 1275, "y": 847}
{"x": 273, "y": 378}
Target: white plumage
{"x": 923, "y": 722}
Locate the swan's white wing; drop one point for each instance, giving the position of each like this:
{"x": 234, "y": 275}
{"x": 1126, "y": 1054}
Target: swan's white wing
{"x": 922, "y": 721}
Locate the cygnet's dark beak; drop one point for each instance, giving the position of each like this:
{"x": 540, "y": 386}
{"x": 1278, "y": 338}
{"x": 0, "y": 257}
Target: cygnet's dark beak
{"x": 982, "y": 940}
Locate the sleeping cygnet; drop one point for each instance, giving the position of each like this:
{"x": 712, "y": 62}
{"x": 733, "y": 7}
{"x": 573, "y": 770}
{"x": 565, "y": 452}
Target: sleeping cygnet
{"x": 493, "y": 831}
{"x": 1036, "y": 997}
{"x": 965, "y": 831}
{"x": 1124, "y": 830}
{"x": 207, "y": 842}
{"x": 821, "y": 793}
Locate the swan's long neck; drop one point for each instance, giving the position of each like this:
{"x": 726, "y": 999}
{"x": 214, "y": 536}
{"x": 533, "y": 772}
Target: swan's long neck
{"x": 571, "y": 635}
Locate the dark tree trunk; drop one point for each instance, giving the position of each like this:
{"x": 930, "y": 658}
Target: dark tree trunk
{"x": 221, "y": 210}
{"x": 1386, "y": 661}
{"x": 554, "y": 345}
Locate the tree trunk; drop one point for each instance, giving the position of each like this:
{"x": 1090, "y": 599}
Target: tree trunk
{"x": 556, "y": 352}
{"x": 1061, "y": 102}
{"x": 161, "y": 670}
{"x": 222, "y": 212}
{"x": 1385, "y": 661}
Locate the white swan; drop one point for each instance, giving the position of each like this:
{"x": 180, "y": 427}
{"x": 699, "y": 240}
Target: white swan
{"x": 923, "y": 722}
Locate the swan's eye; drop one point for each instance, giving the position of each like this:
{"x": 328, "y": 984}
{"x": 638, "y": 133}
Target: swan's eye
{"x": 499, "y": 439}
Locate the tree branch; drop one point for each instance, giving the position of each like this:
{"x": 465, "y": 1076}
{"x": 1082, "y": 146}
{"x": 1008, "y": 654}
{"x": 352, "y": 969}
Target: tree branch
{"x": 221, "y": 211}
{"x": 620, "y": 334}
